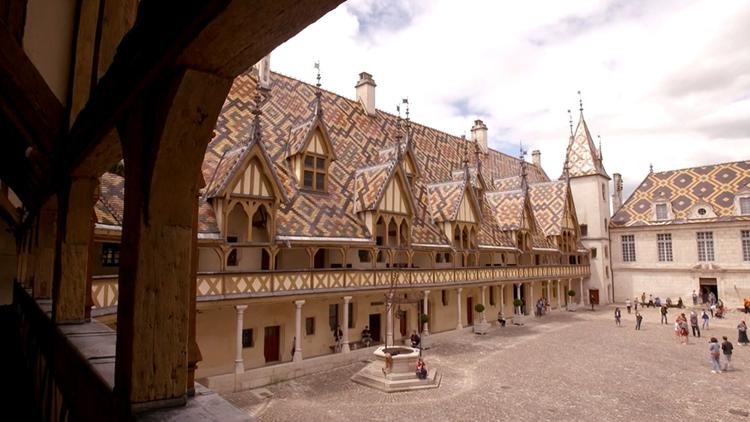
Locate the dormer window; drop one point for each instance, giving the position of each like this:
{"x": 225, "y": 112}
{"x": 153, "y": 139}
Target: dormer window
{"x": 702, "y": 211}
{"x": 661, "y": 212}
{"x": 745, "y": 205}
{"x": 314, "y": 174}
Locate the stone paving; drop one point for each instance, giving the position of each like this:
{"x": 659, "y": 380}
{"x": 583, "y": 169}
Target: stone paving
{"x": 564, "y": 366}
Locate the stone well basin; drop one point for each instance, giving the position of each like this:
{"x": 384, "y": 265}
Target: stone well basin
{"x": 404, "y": 360}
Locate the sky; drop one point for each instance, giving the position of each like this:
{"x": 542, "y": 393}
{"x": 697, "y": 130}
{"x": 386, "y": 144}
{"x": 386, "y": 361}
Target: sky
{"x": 662, "y": 82}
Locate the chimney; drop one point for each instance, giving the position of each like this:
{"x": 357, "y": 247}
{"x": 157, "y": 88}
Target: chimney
{"x": 366, "y": 93}
{"x": 617, "y": 194}
{"x": 479, "y": 134}
{"x": 536, "y": 158}
{"x": 264, "y": 72}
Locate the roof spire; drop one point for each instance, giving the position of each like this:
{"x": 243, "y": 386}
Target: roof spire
{"x": 318, "y": 94}
{"x": 256, "y": 117}
{"x": 599, "y": 137}
{"x": 580, "y": 102}
{"x": 522, "y": 157}
{"x": 651, "y": 168}
{"x": 570, "y": 122}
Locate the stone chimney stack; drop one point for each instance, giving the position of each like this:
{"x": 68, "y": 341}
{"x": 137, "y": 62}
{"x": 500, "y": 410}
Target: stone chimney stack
{"x": 479, "y": 134}
{"x": 366, "y": 93}
{"x": 536, "y": 158}
{"x": 617, "y": 194}
{"x": 264, "y": 72}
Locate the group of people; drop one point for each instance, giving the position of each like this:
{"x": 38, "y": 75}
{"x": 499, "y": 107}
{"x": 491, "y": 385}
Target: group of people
{"x": 706, "y": 297}
{"x": 542, "y": 307}
{"x": 656, "y": 302}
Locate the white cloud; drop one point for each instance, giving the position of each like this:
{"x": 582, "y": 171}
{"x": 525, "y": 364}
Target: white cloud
{"x": 663, "y": 82}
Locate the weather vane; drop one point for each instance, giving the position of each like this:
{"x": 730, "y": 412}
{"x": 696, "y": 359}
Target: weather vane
{"x": 406, "y": 101}
{"x": 570, "y": 122}
{"x": 317, "y": 67}
{"x": 580, "y": 101}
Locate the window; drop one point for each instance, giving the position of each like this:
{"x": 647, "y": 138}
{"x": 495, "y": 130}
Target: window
{"x": 247, "y": 338}
{"x": 705, "y": 246}
{"x": 314, "y": 175}
{"x": 604, "y": 197}
{"x": 702, "y": 211}
{"x": 110, "y": 254}
{"x": 231, "y": 239}
{"x": 444, "y": 297}
{"x": 333, "y": 316}
{"x": 606, "y": 226}
{"x": 584, "y": 230}
{"x": 661, "y": 212}
{"x": 492, "y": 295}
{"x": 745, "y": 205}
{"x": 364, "y": 255}
{"x": 628, "y": 248}
{"x": 664, "y": 246}
{"x": 593, "y": 253}
{"x": 606, "y": 252}
{"x": 350, "y": 323}
{"x": 310, "y": 326}
{"x": 232, "y": 258}
{"x": 746, "y": 245}
{"x": 606, "y": 271}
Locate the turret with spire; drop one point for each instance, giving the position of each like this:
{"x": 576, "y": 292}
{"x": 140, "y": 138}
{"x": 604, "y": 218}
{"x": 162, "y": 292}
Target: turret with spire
{"x": 582, "y": 157}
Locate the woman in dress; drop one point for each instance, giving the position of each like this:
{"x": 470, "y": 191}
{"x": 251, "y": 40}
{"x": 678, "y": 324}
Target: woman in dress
{"x": 742, "y": 334}
{"x": 618, "y": 316}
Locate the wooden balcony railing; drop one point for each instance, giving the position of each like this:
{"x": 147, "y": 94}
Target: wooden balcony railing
{"x": 217, "y": 286}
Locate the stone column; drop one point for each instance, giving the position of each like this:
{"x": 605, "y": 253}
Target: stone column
{"x": 345, "y": 345}
{"x": 549, "y": 292}
{"x": 502, "y": 299}
{"x": 425, "y": 306}
{"x": 531, "y": 303}
{"x": 459, "y": 324}
{"x": 518, "y": 296}
{"x": 559, "y": 298}
{"x": 389, "y": 324}
{"x": 583, "y": 296}
{"x": 484, "y": 316}
{"x": 239, "y": 362}
{"x": 298, "y": 330}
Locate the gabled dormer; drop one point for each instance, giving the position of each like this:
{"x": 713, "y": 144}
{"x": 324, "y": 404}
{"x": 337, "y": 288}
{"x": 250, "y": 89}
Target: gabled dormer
{"x": 701, "y": 210}
{"x": 742, "y": 201}
{"x": 310, "y": 152}
{"x": 455, "y": 209}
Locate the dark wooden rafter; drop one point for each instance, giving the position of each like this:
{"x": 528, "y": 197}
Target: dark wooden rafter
{"x": 13, "y": 17}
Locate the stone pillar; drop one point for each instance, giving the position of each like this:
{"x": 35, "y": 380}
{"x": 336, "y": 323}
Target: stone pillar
{"x": 239, "y": 362}
{"x": 345, "y": 345}
{"x": 549, "y": 292}
{"x": 389, "y": 323}
{"x": 298, "y": 330}
{"x": 163, "y": 137}
{"x": 425, "y": 306}
{"x": 518, "y": 296}
{"x": 559, "y": 298}
{"x": 459, "y": 323}
{"x": 72, "y": 286}
{"x": 502, "y": 299}
{"x": 583, "y": 296}
{"x": 531, "y": 303}
{"x": 484, "y": 313}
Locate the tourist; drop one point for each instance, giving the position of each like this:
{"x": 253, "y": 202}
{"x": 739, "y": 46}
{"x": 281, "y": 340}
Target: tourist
{"x": 680, "y": 303}
{"x": 366, "y": 336}
{"x": 657, "y": 302}
{"x": 677, "y": 334}
{"x": 501, "y": 319}
{"x": 746, "y": 305}
{"x": 711, "y": 298}
{"x": 539, "y": 305}
{"x": 714, "y": 351}
{"x": 669, "y": 302}
{"x": 713, "y": 309}
{"x": 547, "y": 306}
{"x": 684, "y": 331}
{"x": 695, "y": 298}
{"x": 664, "y": 315}
{"x": 643, "y": 298}
{"x": 694, "y": 324}
{"x": 421, "y": 369}
{"x": 617, "y": 317}
{"x": 415, "y": 340}
{"x": 705, "y": 318}
{"x": 627, "y": 304}
{"x": 638, "y": 320}
{"x": 388, "y": 364}
{"x": 726, "y": 348}
{"x": 338, "y": 336}
{"x": 650, "y": 301}
{"x": 635, "y": 304}
{"x": 294, "y": 344}
{"x": 742, "y": 333}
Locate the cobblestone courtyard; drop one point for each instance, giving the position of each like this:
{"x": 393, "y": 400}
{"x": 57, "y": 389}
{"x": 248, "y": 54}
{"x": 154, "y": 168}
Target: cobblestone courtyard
{"x": 564, "y": 366}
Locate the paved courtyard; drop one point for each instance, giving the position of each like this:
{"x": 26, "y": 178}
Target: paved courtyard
{"x": 564, "y": 366}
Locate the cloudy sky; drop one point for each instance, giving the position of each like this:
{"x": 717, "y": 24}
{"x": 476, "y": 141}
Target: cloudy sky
{"x": 663, "y": 82}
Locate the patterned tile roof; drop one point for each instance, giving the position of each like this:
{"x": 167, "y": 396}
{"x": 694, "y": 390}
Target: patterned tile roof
{"x": 505, "y": 184}
{"x": 359, "y": 142}
{"x": 715, "y": 186}
{"x": 370, "y": 183}
{"x": 507, "y": 208}
{"x": 583, "y": 158}
{"x": 110, "y": 205}
{"x": 549, "y": 203}
{"x": 445, "y": 200}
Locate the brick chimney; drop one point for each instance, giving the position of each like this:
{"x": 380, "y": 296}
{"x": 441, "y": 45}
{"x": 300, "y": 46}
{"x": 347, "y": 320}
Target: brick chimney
{"x": 617, "y": 194}
{"x": 536, "y": 158}
{"x": 366, "y": 93}
{"x": 479, "y": 134}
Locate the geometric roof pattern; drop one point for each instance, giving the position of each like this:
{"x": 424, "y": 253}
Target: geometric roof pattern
{"x": 370, "y": 183}
{"x": 445, "y": 200}
{"x": 582, "y": 157}
{"x": 549, "y": 201}
{"x": 715, "y": 185}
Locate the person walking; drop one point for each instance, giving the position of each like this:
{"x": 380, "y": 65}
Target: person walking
{"x": 726, "y": 349}
{"x": 684, "y": 331}
{"x": 712, "y": 308}
{"x": 694, "y": 324}
{"x": 695, "y": 298}
{"x": 664, "y": 315}
{"x": 742, "y": 333}
{"x": 627, "y": 305}
{"x": 714, "y": 352}
{"x": 746, "y": 305}
{"x": 705, "y": 318}
{"x": 635, "y": 304}
{"x": 638, "y": 320}
{"x": 618, "y": 316}
{"x": 643, "y": 298}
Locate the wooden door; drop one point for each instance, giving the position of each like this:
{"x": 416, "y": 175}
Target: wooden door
{"x": 470, "y": 311}
{"x": 271, "y": 343}
{"x": 375, "y": 327}
{"x": 594, "y": 296}
{"x": 402, "y": 323}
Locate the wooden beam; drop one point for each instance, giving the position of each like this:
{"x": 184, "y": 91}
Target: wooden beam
{"x": 13, "y": 15}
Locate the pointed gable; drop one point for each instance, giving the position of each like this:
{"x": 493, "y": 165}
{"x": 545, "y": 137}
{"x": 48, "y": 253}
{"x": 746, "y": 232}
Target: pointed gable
{"x": 583, "y": 158}
{"x": 383, "y": 187}
{"x": 507, "y": 208}
{"x": 311, "y": 136}
{"x": 452, "y": 201}
{"x": 550, "y": 204}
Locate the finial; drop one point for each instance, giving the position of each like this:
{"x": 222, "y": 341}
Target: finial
{"x": 570, "y": 122}
{"x": 256, "y": 116}
{"x": 599, "y": 137}
{"x": 317, "y": 67}
{"x": 522, "y": 157}
{"x": 466, "y": 150}
{"x": 651, "y": 168}
{"x": 580, "y": 102}
{"x": 318, "y": 94}
{"x": 406, "y": 101}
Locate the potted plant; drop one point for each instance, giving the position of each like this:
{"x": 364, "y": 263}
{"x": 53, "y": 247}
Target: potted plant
{"x": 571, "y": 302}
{"x": 481, "y": 326}
{"x": 518, "y": 317}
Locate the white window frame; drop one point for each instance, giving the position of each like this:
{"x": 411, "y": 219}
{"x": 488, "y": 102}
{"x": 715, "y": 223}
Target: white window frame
{"x": 665, "y": 208}
{"x": 664, "y": 247}
{"x": 628, "y": 247}
{"x": 745, "y": 236}
{"x": 744, "y": 205}
{"x": 705, "y": 242}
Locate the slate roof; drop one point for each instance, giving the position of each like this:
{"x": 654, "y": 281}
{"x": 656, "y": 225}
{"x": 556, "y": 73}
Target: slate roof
{"x": 715, "y": 185}
{"x": 582, "y": 156}
{"x": 361, "y": 170}
{"x": 549, "y": 203}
